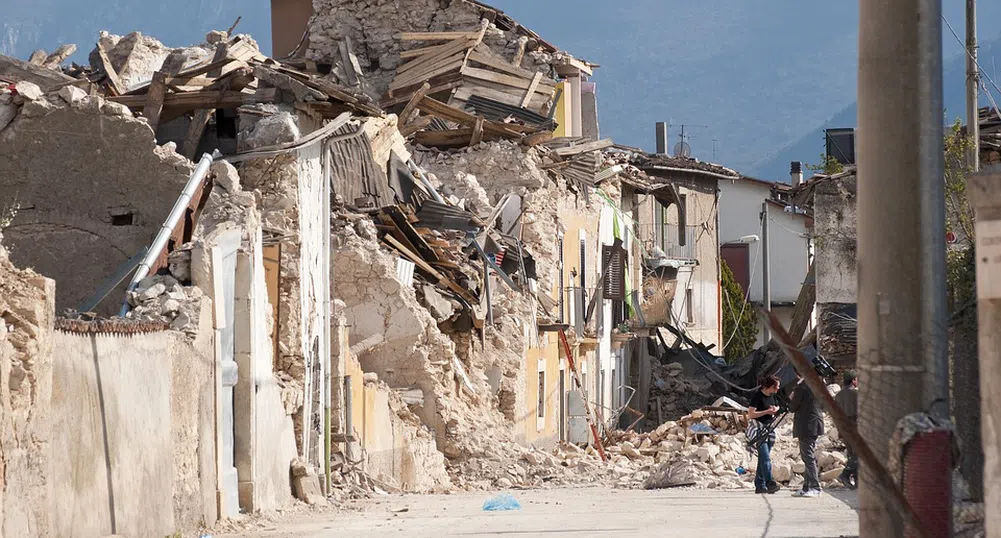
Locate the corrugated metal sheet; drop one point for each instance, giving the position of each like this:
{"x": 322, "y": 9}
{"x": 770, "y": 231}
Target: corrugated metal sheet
{"x": 497, "y": 111}
{"x": 443, "y": 216}
{"x": 405, "y": 271}
{"x": 354, "y": 175}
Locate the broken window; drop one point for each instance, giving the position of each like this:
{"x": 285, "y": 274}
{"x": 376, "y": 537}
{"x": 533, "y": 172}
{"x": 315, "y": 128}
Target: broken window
{"x": 689, "y": 307}
{"x": 542, "y": 394}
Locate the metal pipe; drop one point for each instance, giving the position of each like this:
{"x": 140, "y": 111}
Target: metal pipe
{"x": 972, "y": 85}
{"x": 766, "y": 277}
{"x": 902, "y": 340}
{"x": 326, "y": 315}
{"x": 160, "y": 242}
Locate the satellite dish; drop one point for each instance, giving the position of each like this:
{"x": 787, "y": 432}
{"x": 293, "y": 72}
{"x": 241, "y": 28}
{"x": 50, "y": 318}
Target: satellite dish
{"x": 682, "y": 149}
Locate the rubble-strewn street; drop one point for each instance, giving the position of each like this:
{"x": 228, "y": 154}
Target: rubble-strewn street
{"x": 396, "y": 256}
{"x": 582, "y": 511}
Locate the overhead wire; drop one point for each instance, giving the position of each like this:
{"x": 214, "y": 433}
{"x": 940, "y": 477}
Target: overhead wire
{"x": 983, "y": 73}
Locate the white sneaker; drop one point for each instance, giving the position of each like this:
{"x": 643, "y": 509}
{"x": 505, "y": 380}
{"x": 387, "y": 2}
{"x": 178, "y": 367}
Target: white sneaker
{"x": 806, "y": 493}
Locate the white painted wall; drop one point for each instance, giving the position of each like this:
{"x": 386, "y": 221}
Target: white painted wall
{"x": 789, "y": 245}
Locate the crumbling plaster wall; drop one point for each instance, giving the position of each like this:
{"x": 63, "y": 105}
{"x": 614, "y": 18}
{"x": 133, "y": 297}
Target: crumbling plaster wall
{"x": 835, "y": 225}
{"x": 397, "y": 339}
{"x": 73, "y": 167}
{"x": 372, "y": 27}
{"x": 399, "y": 449}
{"x": 264, "y": 433}
{"x": 289, "y": 190}
{"x": 125, "y": 424}
{"x": 27, "y": 305}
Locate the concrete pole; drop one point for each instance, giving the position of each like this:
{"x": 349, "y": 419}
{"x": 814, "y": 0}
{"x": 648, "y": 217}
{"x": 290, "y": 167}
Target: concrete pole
{"x": 972, "y": 85}
{"x": 902, "y": 329}
{"x": 985, "y": 193}
{"x": 766, "y": 277}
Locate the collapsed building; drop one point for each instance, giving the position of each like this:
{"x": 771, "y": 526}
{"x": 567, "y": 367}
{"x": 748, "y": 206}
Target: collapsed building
{"x": 390, "y": 256}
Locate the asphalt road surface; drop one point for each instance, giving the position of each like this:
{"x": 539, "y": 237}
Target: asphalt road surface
{"x": 589, "y": 511}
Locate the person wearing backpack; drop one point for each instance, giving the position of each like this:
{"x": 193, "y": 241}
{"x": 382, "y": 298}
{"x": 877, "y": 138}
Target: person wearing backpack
{"x": 762, "y": 409}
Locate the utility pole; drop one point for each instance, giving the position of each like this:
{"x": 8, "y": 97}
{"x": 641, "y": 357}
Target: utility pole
{"x": 902, "y": 325}
{"x": 766, "y": 281}
{"x": 972, "y": 85}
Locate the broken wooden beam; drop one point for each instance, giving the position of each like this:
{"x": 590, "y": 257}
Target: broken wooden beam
{"x": 416, "y": 125}
{"x": 531, "y": 90}
{"x": 202, "y": 99}
{"x": 114, "y": 82}
{"x": 584, "y": 148}
{"x": 154, "y": 100}
{"x": 195, "y": 132}
{"x": 411, "y": 107}
{"x": 803, "y": 309}
{"x": 436, "y": 36}
{"x": 446, "y": 112}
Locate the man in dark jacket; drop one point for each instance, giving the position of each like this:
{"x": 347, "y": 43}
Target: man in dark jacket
{"x": 848, "y": 400}
{"x": 807, "y": 426}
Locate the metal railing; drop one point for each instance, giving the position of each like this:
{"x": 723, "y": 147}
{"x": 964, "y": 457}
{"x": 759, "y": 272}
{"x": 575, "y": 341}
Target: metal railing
{"x": 665, "y": 237}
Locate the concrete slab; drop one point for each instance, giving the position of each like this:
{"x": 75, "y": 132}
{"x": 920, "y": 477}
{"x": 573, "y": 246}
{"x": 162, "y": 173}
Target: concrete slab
{"x": 591, "y": 511}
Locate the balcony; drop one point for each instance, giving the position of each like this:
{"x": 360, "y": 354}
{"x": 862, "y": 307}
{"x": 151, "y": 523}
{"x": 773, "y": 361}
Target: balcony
{"x": 665, "y": 237}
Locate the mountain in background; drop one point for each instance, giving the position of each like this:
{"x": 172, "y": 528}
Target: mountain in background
{"x": 762, "y": 77}
{"x": 810, "y": 147}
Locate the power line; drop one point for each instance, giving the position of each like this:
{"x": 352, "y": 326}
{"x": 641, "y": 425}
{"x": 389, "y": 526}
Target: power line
{"x": 982, "y": 72}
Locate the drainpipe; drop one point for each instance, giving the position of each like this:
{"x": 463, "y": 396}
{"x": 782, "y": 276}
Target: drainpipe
{"x": 168, "y": 227}
{"x": 326, "y": 380}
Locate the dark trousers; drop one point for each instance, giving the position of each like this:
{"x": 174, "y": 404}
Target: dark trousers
{"x": 808, "y": 452}
{"x": 851, "y": 468}
{"x": 763, "y": 475}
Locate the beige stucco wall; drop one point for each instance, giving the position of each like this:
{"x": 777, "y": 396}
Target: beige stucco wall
{"x": 702, "y": 278}
{"x": 132, "y": 433}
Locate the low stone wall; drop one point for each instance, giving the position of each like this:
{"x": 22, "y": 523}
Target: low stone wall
{"x": 133, "y": 432}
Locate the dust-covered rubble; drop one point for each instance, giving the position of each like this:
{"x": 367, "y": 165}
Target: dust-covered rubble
{"x": 162, "y": 297}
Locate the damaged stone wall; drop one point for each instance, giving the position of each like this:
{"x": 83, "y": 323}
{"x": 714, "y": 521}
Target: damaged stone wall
{"x": 396, "y": 338}
{"x": 27, "y": 306}
{"x": 836, "y": 245}
{"x": 115, "y": 187}
{"x": 372, "y": 27}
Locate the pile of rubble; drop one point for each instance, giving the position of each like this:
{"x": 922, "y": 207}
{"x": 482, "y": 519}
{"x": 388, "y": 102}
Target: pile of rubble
{"x": 703, "y": 450}
{"x": 674, "y": 395}
{"x": 162, "y": 297}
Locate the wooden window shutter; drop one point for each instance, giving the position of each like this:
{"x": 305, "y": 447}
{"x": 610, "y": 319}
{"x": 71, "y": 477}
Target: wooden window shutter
{"x": 614, "y": 281}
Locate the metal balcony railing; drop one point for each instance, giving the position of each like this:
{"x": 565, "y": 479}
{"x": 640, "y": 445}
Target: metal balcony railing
{"x": 665, "y": 237}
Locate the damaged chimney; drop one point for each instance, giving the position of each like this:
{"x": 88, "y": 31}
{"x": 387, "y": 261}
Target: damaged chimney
{"x": 796, "y": 173}
{"x": 661, "y": 138}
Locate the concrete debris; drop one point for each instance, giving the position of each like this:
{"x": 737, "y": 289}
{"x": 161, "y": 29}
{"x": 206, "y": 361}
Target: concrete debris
{"x": 28, "y": 90}
{"x": 673, "y": 394}
{"x": 162, "y": 297}
{"x": 71, "y": 94}
{"x": 271, "y": 130}
{"x": 306, "y": 484}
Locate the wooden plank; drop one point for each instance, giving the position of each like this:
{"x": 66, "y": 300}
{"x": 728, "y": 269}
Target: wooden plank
{"x": 439, "y": 85}
{"x": 540, "y": 137}
{"x": 195, "y": 132}
{"x": 16, "y": 70}
{"x": 221, "y": 53}
{"x": 443, "y": 111}
{"x": 465, "y": 92}
{"x": 477, "y": 136}
{"x": 425, "y": 62}
{"x": 584, "y": 148}
{"x": 508, "y": 80}
{"x": 497, "y": 64}
{"x": 531, "y": 90}
{"x": 415, "y": 125}
{"x": 405, "y": 226}
{"x": 154, "y": 100}
{"x": 349, "y": 70}
{"x": 456, "y": 138}
{"x": 440, "y": 279}
{"x": 414, "y": 53}
{"x": 202, "y": 99}
{"x": 454, "y": 64}
{"x": 436, "y": 36}
{"x": 412, "y": 105}
{"x": 105, "y": 65}
{"x": 804, "y": 306}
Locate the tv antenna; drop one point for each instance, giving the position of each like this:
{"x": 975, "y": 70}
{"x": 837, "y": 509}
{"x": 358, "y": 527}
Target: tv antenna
{"x": 683, "y": 148}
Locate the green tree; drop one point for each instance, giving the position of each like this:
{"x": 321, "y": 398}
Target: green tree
{"x": 740, "y": 329}
{"x": 828, "y": 165}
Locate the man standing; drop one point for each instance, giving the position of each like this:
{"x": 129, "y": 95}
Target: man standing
{"x": 847, "y": 399}
{"x": 807, "y": 426}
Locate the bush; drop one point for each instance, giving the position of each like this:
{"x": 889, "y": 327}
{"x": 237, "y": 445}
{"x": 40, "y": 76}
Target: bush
{"x": 740, "y": 329}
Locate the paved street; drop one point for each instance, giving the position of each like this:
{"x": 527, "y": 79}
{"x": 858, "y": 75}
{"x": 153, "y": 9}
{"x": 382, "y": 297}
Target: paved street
{"x": 590, "y": 512}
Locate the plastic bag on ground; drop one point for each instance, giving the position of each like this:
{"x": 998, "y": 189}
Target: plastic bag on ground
{"x": 501, "y": 503}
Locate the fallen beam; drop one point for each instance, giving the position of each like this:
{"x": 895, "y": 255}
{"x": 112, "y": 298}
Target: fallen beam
{"x": 202, "y": 99}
